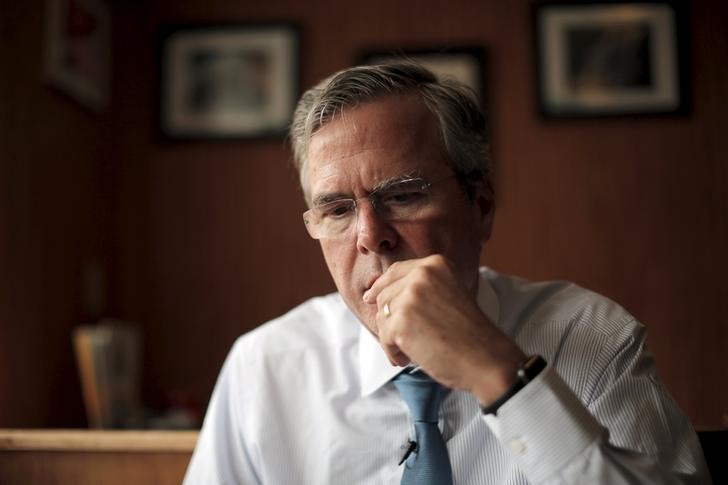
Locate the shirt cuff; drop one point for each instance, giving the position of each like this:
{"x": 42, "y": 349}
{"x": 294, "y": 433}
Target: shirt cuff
{"x": 544, "y": 426}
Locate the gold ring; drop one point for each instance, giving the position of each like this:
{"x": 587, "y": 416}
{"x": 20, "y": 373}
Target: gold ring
{"x": 385, "y": 310}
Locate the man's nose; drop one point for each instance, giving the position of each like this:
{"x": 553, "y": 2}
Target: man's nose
{"x": 373, "y": 232}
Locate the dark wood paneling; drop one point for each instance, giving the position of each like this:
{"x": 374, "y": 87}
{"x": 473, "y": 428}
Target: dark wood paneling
{"x": 55, "y": 199}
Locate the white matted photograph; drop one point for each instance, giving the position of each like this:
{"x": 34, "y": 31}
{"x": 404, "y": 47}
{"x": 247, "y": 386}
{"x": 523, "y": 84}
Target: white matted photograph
{"x": 609, "y": 59}
{"x": 228, "y": 81}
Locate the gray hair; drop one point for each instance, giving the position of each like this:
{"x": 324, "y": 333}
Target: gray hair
{"x": 460, "y": 119}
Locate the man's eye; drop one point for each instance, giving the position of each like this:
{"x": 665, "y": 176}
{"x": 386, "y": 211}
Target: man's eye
{"x": 403, "y": 197}
{"x": 337, "y": 210}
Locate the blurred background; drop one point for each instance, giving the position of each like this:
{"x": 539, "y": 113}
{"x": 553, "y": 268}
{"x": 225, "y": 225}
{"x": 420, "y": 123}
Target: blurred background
{"x": 196, "y": 241}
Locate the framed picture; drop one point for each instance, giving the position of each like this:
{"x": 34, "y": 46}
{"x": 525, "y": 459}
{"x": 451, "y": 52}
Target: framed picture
{"x": 78, "y": 50}
{"x": 598, "y": 59}
{"x": 465, "y": 64}
{"x": 231, "y": 81}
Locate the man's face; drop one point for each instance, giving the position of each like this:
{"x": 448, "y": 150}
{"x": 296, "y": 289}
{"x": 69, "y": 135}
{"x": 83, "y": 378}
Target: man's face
{"x": 380, "y": 141}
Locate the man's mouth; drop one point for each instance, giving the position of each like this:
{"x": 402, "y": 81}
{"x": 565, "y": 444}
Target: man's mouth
{"x": 371, "y": 282}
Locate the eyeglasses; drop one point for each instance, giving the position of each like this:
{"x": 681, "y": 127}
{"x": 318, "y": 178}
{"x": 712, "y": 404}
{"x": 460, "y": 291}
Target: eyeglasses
{"x": 400, "y": 200}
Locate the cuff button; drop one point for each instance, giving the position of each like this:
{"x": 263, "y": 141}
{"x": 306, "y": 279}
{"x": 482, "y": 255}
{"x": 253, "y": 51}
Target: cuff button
{"x": 517, "y": 446}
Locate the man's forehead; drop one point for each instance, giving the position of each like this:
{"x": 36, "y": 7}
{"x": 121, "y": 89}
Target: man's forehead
{"x": 372, "y": 124}
{"x": 374, "y": 141}
{"x": 338, "y": 176}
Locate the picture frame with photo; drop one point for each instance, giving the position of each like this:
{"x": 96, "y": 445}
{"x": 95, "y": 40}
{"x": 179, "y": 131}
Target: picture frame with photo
{"x": 228, "y": 81}
{"x": 466, "y": 64}
{"x": 78, "y": 50}
{"x": 611, "y": 58}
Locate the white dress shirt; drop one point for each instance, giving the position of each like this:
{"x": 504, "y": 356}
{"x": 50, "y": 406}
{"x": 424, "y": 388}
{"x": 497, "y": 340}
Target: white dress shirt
{"x": 307, "y": 399}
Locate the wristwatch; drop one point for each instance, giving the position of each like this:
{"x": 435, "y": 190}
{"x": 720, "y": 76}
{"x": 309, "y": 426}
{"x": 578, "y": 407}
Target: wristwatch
{"x": 528, "y": 370}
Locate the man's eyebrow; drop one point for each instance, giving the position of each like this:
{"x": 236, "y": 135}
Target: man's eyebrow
{"x": 381, "y": 185}
{"x": 330, "y": 197}
{"x": 386, "y": 183}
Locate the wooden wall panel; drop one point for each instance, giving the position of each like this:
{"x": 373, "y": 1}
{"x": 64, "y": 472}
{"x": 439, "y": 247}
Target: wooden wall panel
{"x": 55, "y": 206}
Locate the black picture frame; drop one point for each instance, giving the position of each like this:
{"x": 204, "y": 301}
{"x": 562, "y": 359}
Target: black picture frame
{"x": 597, "y": 59}
{"x": 467, "y": 64}
{"x": 236, "y": 81}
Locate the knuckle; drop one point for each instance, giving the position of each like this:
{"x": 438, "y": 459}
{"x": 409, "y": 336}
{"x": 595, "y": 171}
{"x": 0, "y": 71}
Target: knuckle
{"x": 441, "y": 262}
{"x": 408, "y": 294}
{"x": 424, "y": 272}
{"x": 418, "y": 289}
{"x": 409, "y": 303}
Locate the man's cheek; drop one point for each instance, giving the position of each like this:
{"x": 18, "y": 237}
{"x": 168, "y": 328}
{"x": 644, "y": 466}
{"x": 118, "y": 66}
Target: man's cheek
{"x": 368, "y": 317}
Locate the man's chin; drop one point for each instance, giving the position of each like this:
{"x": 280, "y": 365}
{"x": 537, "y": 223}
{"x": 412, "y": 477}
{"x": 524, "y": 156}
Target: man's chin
{"x": 368, "y": 318}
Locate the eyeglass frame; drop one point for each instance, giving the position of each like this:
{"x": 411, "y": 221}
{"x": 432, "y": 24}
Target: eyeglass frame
{"x": 373, "y": 197}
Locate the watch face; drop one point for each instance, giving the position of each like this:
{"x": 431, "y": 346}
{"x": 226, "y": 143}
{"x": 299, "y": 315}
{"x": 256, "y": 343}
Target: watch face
{"x": 531, "y": 368}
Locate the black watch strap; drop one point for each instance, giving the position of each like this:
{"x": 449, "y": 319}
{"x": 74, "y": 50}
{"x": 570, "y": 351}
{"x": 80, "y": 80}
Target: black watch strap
{"x": 529, "y": 369}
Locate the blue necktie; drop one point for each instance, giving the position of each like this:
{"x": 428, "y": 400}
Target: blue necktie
{"x": 429, "y": 463}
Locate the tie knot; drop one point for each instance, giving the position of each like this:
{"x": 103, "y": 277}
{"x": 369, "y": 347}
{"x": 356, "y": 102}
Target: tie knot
{"x": 422, "y": 394}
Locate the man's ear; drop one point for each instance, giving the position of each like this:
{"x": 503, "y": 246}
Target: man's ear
{"x": 483, "y": 200}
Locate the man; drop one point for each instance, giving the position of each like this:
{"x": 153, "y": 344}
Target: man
{"x": 538, "y": 383}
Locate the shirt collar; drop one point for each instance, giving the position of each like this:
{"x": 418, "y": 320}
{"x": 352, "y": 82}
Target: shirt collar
{"x": 375, "y": 370}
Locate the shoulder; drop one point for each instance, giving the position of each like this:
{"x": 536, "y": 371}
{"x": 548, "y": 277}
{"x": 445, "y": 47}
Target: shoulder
{"x": 317, "y": 325}
{"x": 557, "y": 303}
{"x": 582, "y": 334}
{"x": 291, "y": 358}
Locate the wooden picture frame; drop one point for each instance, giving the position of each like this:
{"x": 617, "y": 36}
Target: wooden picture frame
{"x": 228, "y": 81}
{"x": 611, "y": 58}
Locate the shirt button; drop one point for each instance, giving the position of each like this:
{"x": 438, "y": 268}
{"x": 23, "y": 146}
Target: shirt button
{"x": 517, "y": 446}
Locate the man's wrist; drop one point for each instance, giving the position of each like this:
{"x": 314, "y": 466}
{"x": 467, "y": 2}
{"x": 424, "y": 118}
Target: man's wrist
{"x": 492, "y": 379}
{"x": 529, "y": 369}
